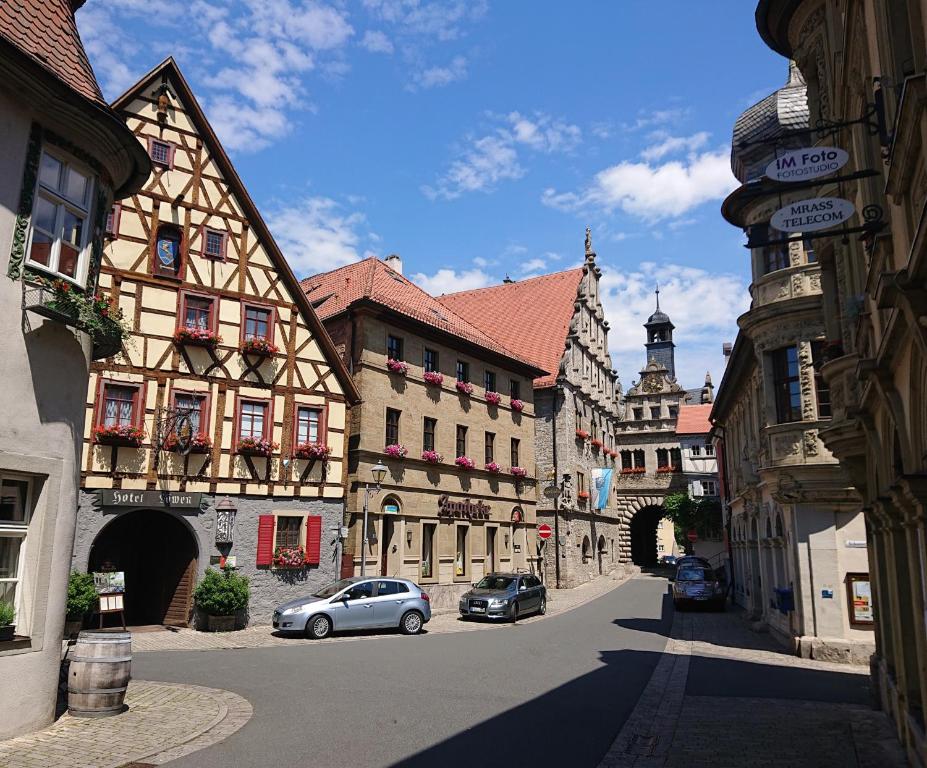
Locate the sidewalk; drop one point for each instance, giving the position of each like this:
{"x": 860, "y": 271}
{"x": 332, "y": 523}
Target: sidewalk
{"x": 725, "y": 696}
{"x": 163, "y": 722}
{"x": 442, "y": 621}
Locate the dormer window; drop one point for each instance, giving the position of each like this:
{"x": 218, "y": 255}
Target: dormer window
{"x": 161, "y": 153}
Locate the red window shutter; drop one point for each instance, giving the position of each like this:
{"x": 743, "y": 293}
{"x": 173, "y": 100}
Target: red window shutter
{"x": 313, "y": 539}
{"x": 265, "y": 544}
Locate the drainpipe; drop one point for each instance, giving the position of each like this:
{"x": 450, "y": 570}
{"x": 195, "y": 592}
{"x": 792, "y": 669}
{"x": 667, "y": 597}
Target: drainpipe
{"x": 555, "y": 411}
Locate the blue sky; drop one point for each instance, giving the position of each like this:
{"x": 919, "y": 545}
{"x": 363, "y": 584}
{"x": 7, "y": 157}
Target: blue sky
{"x": 479, "y": 139}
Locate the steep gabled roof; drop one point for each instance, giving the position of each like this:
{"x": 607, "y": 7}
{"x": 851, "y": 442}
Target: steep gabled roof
{"x": 532, "y": 316}
{"x": 332, "y": 293}
{"x": 693, "y": 420}
{"x": 169, "y": 68}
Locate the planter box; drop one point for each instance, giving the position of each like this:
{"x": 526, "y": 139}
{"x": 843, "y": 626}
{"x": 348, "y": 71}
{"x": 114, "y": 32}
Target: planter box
{"x": 121, "y": 442}
{"x": 220, "y": 623}
{"x": 6, "y": 633}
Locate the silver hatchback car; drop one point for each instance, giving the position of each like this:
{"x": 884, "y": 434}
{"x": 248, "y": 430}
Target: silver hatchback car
{"x": 357, "y": 603}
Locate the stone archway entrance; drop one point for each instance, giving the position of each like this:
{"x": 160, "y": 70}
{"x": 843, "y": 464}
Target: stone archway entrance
{"x": 644, "y": 536}
{"x": 157, "y": 552}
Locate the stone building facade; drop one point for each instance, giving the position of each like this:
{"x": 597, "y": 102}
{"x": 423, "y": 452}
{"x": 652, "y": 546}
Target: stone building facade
{"x": 64, "y": 157}
{"x": 451, "y": 413}
{"x": 795, "y": 521}
{"x": 225, "y": 354}
{"x": 864, "y": 62}
{"x": 558, "y": 321}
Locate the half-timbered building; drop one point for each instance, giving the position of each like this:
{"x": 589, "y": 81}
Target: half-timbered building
{"x": 216, "y": 435}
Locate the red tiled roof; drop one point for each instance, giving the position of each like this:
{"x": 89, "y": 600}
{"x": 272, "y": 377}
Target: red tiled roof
{"x": 693, "y": 420}
{"x": 45, "y": 31}
{"x": 333, "y": 292}
{"x": 532, "y": 316}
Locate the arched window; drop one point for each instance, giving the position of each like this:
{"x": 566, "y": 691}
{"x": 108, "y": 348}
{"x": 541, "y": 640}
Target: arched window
{"x": 391, "y": 505}
{"x": 167, "y": 257}
{"x": 587, "y": 546}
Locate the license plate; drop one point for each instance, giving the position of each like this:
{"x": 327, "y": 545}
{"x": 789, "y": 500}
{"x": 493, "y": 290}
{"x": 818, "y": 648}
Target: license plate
{"x": 477, "y": 609}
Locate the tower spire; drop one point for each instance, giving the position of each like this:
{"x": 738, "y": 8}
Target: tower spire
{"x": 657, "y": 291}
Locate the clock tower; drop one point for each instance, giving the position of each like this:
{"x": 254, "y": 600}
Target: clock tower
{"x": 660, "y": 346}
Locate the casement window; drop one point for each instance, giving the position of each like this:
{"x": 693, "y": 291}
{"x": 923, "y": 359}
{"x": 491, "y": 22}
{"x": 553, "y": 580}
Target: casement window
{"x": 428, "y": 434}
{"x": 640, "y": 460}
{"x": 167, "y": 260}
{"x": 461, "y": 440}
{"x": 638, "y": 414}
{"x": 310, "y": 425}
{"x": 627, "y": 460}
{"x": 709, "y": 488}
{"x": 112, "y": 220}
{"x": 515, "y": 389}
{"x": 430, "y": 361}
{"x": 655, "y": 412}
{"x": 119, "y": 405}
{"x": 198, "y": 312}
{"x": 461, "y": 559}
{"x": 258, "y": 322}
{"x": 253, "y": 419}
{"x": 489, "y": 381}
{"x": 662, "y": 457}
{"x": 463, "y": 371}
{"x": 786, "y": 384}
{"x": 696, "y": 450}
{"x": 15, "y": 511}
{"x": 429, "y": 534}
{"x": 289, "y": 531}
{"x": 394, "y": 347}
{"x": 214, "y": 243}
{"x": 516, "y": 444}
{"x": 60, "y": 229}
{"x": 709, "y": 449}
{"x": 774, "y": 257}
{"x": 580, "y": 482}
{"x": 676, "y": 458}
{"x": 392, "y": 426}
{"x": 821, "y": 390}
{"x": 195, "y": 407}
{"x": 673, "y": 411}
{"x": 808, "y": 244}
{"x": 489, "y": 442}
{"x": 161, "y": 153}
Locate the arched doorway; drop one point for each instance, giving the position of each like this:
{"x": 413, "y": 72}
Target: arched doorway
{"x": 157, "y": 552}
{"x": 644, "y": 536}
{"x": 600, "y": 551}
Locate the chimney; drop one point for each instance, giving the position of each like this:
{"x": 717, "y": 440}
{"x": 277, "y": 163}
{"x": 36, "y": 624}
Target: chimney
{"x": 726, "y": 348}
{"x": 508, "y": 280}
{"x": 394, "y": 262}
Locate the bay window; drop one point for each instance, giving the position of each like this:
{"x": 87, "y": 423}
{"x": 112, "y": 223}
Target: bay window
{"x": 786, "y": 384}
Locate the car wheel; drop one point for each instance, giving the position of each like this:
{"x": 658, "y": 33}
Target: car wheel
{"x": 319, "y": 627}
{"x": 514, "y": 616}
{"x": 542, "y": 608}
{"x": 411, "y": 623}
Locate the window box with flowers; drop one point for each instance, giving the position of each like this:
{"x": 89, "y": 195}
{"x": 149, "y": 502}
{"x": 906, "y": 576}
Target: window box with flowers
{"x": 289, "y": 557}
{"x": 493, "y": 467}
{"x": 199, "y": 442}
{"x": 433, "y": 377}
{"x": 252, "y": 446}
{"x": 124, "y": 435}
{"x": 519, "y": 472}
{"x": 259, "y": 347}
{"x": 432, "y": 457}
{"x": 633, "y": 471}
{"x": 517, "y": 405}
{"x": 465, "y": 388}
{"x": 493, "y": 398}
{"x": 582, "y": 434}
{"x": 196, "y": 337}
{"x": 312, "y": 451}
{"x": 667, "y": 469}
{"x": 397, "y": 366}
{"x": 583, "y": 496}
{"x": 465, "y": 462}
{"x": 597, "y": 444}
{"x": 396, "y": 451}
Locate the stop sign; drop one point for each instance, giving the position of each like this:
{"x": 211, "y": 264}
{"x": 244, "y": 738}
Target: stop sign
{"x": 692, "y": 535}
{"x": 544, "y": 531}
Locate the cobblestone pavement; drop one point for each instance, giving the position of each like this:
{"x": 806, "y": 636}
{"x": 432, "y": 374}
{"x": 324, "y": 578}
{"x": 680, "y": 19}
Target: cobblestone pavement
{"x": 445, "y": 620}
{"x": 671, "y": 727}
{"x": 164, "y": 721}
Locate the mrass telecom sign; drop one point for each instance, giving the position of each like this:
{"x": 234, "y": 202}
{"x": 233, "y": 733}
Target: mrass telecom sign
{"x": 805, "y": 164}
{"x": 812, "y": 215}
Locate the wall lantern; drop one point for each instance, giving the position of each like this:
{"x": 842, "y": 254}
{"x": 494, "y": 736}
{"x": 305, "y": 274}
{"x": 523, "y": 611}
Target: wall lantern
{"x": 225, "y": 520}
{"x": 409, "y": 538}
{"x": 506, "y": 541}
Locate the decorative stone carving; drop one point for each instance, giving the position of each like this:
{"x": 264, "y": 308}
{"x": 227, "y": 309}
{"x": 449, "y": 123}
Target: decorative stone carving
{"x": 784, "y": 446}
{"x": 806, "y": 381}
{"x": 810, "y": 442}
{"x": 797, "y": 287}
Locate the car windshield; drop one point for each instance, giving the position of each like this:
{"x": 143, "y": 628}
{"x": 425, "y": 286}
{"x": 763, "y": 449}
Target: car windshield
{"x": 691, "y": 574}
{"x": 333, "y": 589}
{"x": 495, "y": 582}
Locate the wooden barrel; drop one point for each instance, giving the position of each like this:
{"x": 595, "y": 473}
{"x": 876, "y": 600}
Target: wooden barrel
{"x": 99, "y": 673}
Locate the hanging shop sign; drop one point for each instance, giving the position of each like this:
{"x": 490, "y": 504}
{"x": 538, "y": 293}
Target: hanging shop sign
{"x": 464, "y": 509}
{"x": 805, "y": 164}
{"x": 812, "y": 215}
{"x": 116, "y": 498}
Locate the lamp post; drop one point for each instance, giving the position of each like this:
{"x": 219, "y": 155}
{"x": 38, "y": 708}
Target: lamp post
{"x": 379, "y": 472}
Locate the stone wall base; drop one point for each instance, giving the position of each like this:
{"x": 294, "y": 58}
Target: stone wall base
{"x": 836, "y": 649}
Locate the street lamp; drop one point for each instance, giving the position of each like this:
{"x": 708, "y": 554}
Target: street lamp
{"x": 379, "y": 472}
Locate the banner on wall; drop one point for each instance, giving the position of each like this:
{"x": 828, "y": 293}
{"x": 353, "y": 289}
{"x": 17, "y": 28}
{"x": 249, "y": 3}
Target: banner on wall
{"x": 602, "y": 485}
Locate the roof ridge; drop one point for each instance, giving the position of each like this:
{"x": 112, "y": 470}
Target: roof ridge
{"x": 318, "y": 275}
{"x": 534, "y": 278}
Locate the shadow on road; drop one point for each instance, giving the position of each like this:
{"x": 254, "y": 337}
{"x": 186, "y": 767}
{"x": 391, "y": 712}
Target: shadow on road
{"x": 659, "y": 626}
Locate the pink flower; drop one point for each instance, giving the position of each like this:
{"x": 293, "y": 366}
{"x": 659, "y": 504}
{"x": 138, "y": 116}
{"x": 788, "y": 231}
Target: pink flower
{"x": 257, "y": 345}
{"x": 433, "y": 377}
{"x": 493, "y": 398}
{"x": 517, "y": 405}
{"x": 395, "y": 451}
{"x": 519, "y": 471}
{"x": 465, "y": 462}
{"x": 312, "y": 451}
{"x": 465, "y": 387}
{"x": 493, "y": 467}
{"x": 432, "y": 457}
{"x": 397, "y": 366}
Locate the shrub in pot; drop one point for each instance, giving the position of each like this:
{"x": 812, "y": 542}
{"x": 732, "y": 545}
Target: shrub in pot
{"x": 7, "y": 615}
{"x": 220, "y": 595}
{"x": 82, "y": 599}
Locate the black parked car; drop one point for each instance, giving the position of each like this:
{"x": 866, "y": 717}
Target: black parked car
{"x": 504, "y": 596}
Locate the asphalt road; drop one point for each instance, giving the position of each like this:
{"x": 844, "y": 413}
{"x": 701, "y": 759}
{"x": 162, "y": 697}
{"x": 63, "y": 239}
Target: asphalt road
{"x": 551, "y": 692}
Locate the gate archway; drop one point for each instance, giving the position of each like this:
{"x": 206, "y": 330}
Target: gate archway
{"x": 158, "y": 554}
{"x": 644, "y": 535}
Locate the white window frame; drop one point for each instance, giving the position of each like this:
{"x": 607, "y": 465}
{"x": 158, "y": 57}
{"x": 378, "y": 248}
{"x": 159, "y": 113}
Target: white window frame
{"x": 709, "y": 487}
{"x": 696, "y": 450}
{"x": 10, "y": 529}
{"x": 84, "y": 209}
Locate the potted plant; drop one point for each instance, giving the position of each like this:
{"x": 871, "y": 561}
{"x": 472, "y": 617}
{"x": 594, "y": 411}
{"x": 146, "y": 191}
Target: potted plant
{"x": 82, "y": 599}
{"x": 397, "y": 366}
{"x": 312, "y": 451}
{"x": 465, "y": 462}
{"x": 493, "y": 467}
{"x": 196, "y": 337}
{"x": 465, "y": 388}
{"x": 396, "y": 451}
{"x": 220, "y": 595}
{"x": 517, "y": 405}
{"x": 432, "y": 457}
{"x": 199, "y": 442}
{"x": 583, "y": 496}
{"x": 252, "y": 446}
{"x": 7, "y": 615}
{"x": 519, "y": 471}
{"x": 596, "y": 444}
{"x": 433, "y": 377}
{"x": 258, "y": 346}
{"x": 493, "y": 398}
{"x": 289, "y": 557}
{"x": 582, "y": 434}
{"x": 119, "y": 434}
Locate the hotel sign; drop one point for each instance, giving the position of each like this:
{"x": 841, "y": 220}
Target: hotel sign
{"x": 467, "y": 510}
{"x": 812, "y": 215}
{"x": 111, "y": 497}
{"x": 805, "y": 164}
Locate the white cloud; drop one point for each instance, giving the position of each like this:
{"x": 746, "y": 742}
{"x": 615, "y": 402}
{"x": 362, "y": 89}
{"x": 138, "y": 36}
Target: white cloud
{"x": 484, "y": 163}
{"x": 450, "y": 280}
{"x": 438, "y": 77}
{"x": 656, "y": 117}
{"x": 671, "y": 144}
{"x": 441, "y": 21}
{"x": 317, "y": 235}
{"x": 704, "y": 307}
{"x": 652, "y": 192}
{"x": 376, "y": 42}
{"x": 544, "y": 133}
